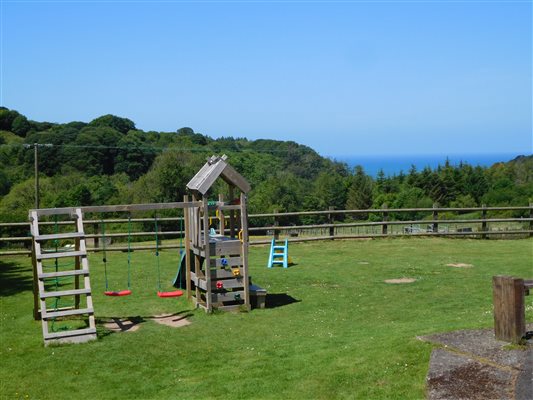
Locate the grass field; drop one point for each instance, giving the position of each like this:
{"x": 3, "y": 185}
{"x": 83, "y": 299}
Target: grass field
{"x": 332, "y": 329}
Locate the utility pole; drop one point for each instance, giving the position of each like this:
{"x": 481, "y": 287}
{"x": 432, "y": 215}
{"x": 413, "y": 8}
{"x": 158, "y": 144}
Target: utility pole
{"x": 36, "y": 172}
{"x": 36, "y": 166}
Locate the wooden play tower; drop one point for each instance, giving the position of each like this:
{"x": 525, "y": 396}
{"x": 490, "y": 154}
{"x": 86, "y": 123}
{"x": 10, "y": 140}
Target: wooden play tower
{"x": 217, "y": 268}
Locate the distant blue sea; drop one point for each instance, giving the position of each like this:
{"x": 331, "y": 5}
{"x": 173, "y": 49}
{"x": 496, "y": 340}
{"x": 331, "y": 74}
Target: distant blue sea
{"x": 394, "y": 164}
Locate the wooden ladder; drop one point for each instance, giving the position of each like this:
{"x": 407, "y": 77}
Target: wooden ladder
{"x": 81, "y": 270}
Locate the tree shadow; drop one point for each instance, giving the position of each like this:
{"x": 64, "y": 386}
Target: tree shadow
{"x": 15, "y": 278}
{"x": 274, "y": 300}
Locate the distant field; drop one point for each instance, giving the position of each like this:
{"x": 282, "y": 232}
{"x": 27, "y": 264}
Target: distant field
{"x": 332, "y": 328}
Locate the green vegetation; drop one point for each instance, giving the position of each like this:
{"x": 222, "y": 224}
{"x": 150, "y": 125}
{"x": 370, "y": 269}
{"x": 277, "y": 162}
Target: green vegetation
{"x": 110, "y": 161}
{"x": 336, "y": 329}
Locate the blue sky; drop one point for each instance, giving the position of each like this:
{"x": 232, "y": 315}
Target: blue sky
{"x": 346, "y": 78}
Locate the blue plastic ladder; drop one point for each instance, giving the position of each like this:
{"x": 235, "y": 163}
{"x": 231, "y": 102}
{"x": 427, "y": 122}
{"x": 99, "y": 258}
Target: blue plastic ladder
{"x": 279, "y": 254}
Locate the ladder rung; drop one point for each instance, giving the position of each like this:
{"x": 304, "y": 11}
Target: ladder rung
{"x": 76, "y": 311}
{"x": 62, "y": 334}
{"x": 277, "y": 262}
{"x": 69, "y": 235}
{"x": 64, "y": 273}
{"x": 60, "y": 255}
{"x": 279, "y": 247}
{"x": 65, "y": 293}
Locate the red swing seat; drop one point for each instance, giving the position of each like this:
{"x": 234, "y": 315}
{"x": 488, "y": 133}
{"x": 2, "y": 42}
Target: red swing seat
{"x": 119, "y": 293}
{"x": 175, "y": 293}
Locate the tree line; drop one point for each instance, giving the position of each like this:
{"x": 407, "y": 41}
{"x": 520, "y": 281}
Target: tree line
{"x": 109, "y": 161}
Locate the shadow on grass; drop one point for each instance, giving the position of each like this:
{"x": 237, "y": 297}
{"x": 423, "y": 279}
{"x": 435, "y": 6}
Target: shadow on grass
{"x": 110, "y": 325}
{"x": 274, "y": 300}
{"x": 15, "y": 278}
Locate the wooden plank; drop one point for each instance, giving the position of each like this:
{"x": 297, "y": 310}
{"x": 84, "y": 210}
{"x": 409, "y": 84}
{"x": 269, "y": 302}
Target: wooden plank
{"x": 509, "y": 308}
{"x": 208, "y": 174}
{"x": 77, "y": 311}
{"x": 116, "y": 208}
{"x": 47, "y": 275}
{"x": 61, "y": 293}
{"x": 68, "y": 235}
{"x": 230, "y": 262}
{"x": 235, "y": 283}
{"x": 232, "y": 177}
{"x": 226, "y": 248}
{"x": 76, "y": 332}
{"x": 228, "y": 296}
{"x": 61, "y": 255}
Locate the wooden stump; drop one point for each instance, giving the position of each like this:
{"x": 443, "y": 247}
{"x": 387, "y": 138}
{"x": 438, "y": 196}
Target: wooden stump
{"x": 509, "y": 308}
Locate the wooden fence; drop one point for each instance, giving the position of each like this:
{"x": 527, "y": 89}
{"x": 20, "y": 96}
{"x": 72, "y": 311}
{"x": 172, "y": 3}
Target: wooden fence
{"x": 482, "y": 222}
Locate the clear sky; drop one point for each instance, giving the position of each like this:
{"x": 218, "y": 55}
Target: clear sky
{"x": 344, "y": 77}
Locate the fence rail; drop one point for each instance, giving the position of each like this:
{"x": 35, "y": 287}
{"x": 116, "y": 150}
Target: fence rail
{"x": 338, "y": 224}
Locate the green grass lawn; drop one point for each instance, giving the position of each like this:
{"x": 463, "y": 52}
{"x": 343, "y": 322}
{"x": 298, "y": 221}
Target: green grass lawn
{"x": 334, "y": 328}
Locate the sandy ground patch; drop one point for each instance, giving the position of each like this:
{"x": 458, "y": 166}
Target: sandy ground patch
{"x": 459, "y": 265}
{"x": 172, "y": 320}
{"x": 400, "y": 280}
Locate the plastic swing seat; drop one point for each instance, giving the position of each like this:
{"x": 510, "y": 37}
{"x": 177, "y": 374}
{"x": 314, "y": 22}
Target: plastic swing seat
{"x": 175, "y": 293}
{"x": 119, "y": 293}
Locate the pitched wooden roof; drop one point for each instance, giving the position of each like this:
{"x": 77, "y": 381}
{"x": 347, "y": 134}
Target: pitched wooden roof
{"x": 217, "y": 167}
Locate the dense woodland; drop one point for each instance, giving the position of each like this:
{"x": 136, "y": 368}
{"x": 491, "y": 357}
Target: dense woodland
{"x": 110, "y": 161}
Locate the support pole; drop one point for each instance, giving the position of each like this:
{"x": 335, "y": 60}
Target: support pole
{"x": 186, "y": 222}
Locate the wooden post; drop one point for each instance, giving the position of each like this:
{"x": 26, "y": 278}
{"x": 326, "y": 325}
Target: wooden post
{"x": 244, "y": 226}
{"x": 231, "y": 214}
{"x": 36, "y": 313}
{"x": 221, "y": 221}
{"x": 187, "y": 249}
{"x": 483, "y": 223}
{"x": 77, "y": 266}
{"x": 207, "y": 252}
{"x": 331, "y": 220}
{"x": 531, "y": 221}
{"x": 384, "y": 227}
{"x": 435, "y": 217}
{"x": 276, "y": 223}
{"x": 509, "y": 309}
{"x": 96, "y": 231}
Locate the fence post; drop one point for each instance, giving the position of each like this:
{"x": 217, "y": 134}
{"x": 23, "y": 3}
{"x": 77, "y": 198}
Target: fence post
{"x": 385, "y": 227}
{"x": 435, "y": 217}
{"x": 331, "y": 221}
{"x": 96, "y": 232}
{"x": 276, "y": 223}
{"x": 531, "y": 220}
{"x": 509, "y": 309}
{"x": 484, "y": 222}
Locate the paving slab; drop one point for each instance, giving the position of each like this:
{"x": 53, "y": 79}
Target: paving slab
{"x": 472, "y": 364}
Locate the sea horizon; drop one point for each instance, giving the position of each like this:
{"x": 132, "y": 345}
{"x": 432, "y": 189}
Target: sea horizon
{"x": 394, "y": 164}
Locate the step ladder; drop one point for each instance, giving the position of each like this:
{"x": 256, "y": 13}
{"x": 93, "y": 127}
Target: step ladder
{"x": 79, "y": 253}
{"x": 279, "y": 254}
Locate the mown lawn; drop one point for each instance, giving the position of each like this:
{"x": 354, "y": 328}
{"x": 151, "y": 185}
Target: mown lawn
{"x": 333, "y": 328}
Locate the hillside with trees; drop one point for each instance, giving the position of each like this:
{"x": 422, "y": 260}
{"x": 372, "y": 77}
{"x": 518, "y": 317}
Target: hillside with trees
{"x": 109, "y": 161}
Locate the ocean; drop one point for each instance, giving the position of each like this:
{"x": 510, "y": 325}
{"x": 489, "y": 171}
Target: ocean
{"x": 393, "y": 165}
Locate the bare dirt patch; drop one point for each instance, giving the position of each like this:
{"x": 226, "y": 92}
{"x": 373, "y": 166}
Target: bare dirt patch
{"x": 400, "y": 280}
{"x": 459, "y": 265}
{"x": 122, "y": 325}
{"x": 172, "y": 320}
